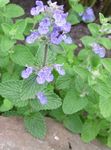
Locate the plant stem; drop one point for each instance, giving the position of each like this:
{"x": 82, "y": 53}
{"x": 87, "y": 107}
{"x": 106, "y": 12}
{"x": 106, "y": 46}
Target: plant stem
{"x": 45, "y": 55}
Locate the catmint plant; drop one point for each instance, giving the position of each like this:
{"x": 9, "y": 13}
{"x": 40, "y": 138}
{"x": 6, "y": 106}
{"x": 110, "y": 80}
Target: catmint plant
{"x": 52, "y": 29}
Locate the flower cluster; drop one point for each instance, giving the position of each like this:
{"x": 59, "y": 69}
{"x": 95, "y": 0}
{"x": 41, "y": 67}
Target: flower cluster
{"x": 98, "y": 50}
{"x": 88, "y": 15}
{"x": 54, "y": 27}
{"x": 43, "y": 75}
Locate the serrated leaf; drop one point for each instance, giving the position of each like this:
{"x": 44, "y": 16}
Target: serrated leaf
{"x": 64, "y": 82}
{"x": 73, "y": 123}
{"x": 22, "y": 56}
{"x": 54, "y": 102}
{"x": 90, "y": 130}
{"x": 6, "y": 28}
{"x": 103, "y": 88}
{"x": 107, "y": 64}
{"x": 73, "y": 102}
{"x": 3, "y": 2}
{"x": 30, "y": 88}
{"x": 35, "y": 124}
{"x": 11, "y": 90}
{"x": 105, "y": 106}
{"x": 57, "y": 114}
{"x": 13, "y": 10}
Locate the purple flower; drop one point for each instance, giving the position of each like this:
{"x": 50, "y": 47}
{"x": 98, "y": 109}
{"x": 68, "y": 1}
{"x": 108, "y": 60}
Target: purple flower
{"x": 98, "y": 50}
{"x": 42, "y": 98}
{"x": 45, "y": 22}
{"x": 88, "y": 15}
{"x": 45, "y": 74}
{"x": 32, "y": 37}
{"x": 56, "y": 36}
{"x": 44, "y": 26}
{"x": 67, "y": 40}
{"x": 67, "y": 27}
{"x": 27, "y": 72}
{"x": 59, "y": 69}
{"x": 60, "y": 18}
{"x": 43, "y": 30}
{"x": 38, "y": 9}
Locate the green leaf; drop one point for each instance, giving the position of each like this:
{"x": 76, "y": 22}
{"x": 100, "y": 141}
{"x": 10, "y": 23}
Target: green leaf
{"x": 3, "y": 2}
{"x": 22, "y": 56}
{"x": 6, "y": 44}
{"x": 103, "y": 89}
{"x": 105, "y": 106}
{"x": 4, "y": 61}
{"x": 30, "y": 88}
{"x": 105, "y": 42}
{"x": 109, "y": 140}
{"x": 88, "y": 40}
{"x": 6, "y": 28}
{"x": 73, "y": 17}
{"x": 64, "y": 82}
{"x": 35, "y": 124}
{"x": 7, "y": 105}
{"x": 83, "y": 54}
{"x": 13, "y": 11}
{"x": 73, "y": 103}
{"x": 17, "y": 30}
{"x": 39, "y": 55}
{"x": 83, "y": 73}
{"x": 54, "y": 102}
{"x": 90, "y": 130}
{"x": 57, "y": 114}
{"x": 73, "y": 123}
{"x": 107, "y": 64}
{"x": 69, "y": 50}
{"x": 94, "y": 29}
{"x": 11, "y": 90}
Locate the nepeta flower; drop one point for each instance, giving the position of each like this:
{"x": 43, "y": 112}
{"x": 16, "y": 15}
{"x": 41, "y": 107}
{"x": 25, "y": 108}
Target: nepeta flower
{"x": 54, "y": 6}
{"x": 42, "y": 98}
{"x": 67, "y": 40}
{"x": 98, "y": 50}
{"x": 45, "y": 22}
{"x": 44, "y": 26}
{"x": 88, "y": 15}
{"x": 27, "y": 72}
{"x": 43, "y": 30}
{"x": 54, "y": 26}
{"x": 45, "y": 74}
{"x": 32, "y": 37}
{"x": 67, "y": 27}
{"x": 60, "y": 18}
{"x": 56, "y": 37}
{"x": 38, "y": 9}
{"x": 59, "y": 69}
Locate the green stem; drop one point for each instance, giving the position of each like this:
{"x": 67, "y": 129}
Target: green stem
{"x": 45, "y": 55}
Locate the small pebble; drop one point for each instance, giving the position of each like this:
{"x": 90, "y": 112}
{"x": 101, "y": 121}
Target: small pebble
{"x": 56, "y": 138}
